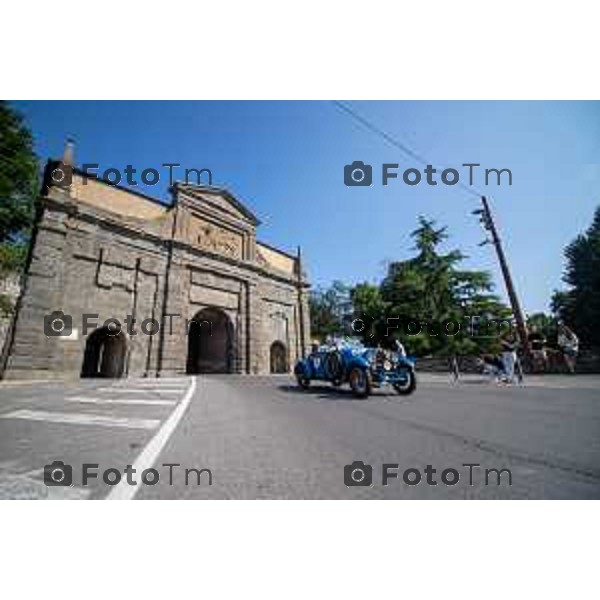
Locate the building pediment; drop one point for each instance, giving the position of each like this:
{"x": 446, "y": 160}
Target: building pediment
{"x": 213, "y": 220}
{"x": 215, "y": 202}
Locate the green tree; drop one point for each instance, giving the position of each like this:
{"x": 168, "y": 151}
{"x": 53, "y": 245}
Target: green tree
{"x": 12, "y": 257}
{"x": 328, "y": 308}
{"x": 6, "y": 306}
{"x": 366, "y": 298}
{"x": 18, "y": 188}
{"x": 369, "y": 307}
{"x": 579, "y": 305}
{"x": 430, "y": 288}
{"x": 18, "y": 176}
{"x": 545, "y": 324}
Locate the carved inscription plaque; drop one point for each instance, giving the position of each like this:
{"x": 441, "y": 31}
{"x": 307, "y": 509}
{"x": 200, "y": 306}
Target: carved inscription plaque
{"x": 213, "y": 238}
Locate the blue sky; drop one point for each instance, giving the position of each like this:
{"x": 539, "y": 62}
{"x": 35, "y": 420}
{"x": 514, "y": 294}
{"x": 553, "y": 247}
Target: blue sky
{"x": 285, "y": 160}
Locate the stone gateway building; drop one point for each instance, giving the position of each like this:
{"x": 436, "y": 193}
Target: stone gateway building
{"x": 221, "y": 301}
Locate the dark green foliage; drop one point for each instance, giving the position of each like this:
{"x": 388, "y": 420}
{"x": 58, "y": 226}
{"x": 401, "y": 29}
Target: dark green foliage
{"x": 6, "y": 306}
{"x": 18, "y": 187}
{"x": 18, "y": 177}
{"x": 579, "y": 306}
{"x": 431, "y": 289}
{"x": 544, "y": 324}
{"x": 12, "y": 257}
{"x": 328, "y": 308}
{"x": 428, "y": 288}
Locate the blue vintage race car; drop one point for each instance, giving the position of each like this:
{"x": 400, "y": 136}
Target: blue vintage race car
{"x": 363, "y": 368}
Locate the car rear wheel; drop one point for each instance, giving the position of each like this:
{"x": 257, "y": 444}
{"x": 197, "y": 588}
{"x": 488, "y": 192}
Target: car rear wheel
{"x": 407, "y": 387}
{"x": 360, "y": 382}
{"x": 303, "y": 381}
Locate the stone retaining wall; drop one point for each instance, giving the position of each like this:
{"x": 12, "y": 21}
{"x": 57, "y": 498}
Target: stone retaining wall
{"x": 587, "y": 362}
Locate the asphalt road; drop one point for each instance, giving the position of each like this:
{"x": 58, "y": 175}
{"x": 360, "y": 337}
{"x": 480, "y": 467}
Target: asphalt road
{"x": 261, "y": 437}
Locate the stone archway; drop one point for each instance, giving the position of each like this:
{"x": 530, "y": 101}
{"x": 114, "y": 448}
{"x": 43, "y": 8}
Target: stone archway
{"x": 210, "y": 342}
{"x": 105, "y": 354}
{"x": 278, "y": 356}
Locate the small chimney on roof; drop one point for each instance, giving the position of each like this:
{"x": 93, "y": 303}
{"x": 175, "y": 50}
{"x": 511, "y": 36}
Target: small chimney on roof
{"x": 59, "y": 173}
{"x": 69, "y": 152}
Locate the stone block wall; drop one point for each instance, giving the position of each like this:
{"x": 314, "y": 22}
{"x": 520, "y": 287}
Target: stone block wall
{"x": 89, "y": 261}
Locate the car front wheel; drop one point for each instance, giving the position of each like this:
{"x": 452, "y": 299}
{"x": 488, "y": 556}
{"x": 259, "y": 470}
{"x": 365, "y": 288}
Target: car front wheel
{"x": 360, "y": 382}
{"x": 409, "y": 386}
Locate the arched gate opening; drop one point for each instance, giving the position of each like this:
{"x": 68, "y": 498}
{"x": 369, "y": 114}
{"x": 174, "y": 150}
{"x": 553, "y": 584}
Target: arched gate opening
{"x": 105, "y": 354}
{"x": 279, "y": 360}
{"x": 210, "y": 343}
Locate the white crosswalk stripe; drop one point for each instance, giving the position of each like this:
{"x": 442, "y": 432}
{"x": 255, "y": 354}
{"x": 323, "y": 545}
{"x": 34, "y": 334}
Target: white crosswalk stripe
{"x": 82, "y": 419}
{"x": 129, "y": 401}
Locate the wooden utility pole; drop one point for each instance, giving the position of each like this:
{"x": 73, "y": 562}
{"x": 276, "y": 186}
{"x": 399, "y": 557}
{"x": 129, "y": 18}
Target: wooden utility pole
{"x": 488, "y": 223}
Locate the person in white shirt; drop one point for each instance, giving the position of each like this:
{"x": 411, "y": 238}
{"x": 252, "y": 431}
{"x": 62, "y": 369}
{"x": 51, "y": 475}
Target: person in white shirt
{"x": 568, "y": 343}
{"x": 400, "y": 349}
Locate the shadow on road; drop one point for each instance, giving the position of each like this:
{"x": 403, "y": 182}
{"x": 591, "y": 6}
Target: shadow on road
{"x": 329, "y": 392}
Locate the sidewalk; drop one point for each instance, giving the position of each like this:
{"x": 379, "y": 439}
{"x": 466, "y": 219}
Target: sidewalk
{"x": 582, "y": 381}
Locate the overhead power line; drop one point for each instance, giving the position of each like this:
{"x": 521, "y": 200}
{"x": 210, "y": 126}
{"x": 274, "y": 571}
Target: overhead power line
{"x": 394, "y": 142}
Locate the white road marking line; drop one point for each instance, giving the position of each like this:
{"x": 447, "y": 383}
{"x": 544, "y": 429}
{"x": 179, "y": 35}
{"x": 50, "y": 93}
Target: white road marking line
{"x": 82, "y": 419}
{"x": 151, "y": 382}
{"x": 141, "y": 382}
{"x": 148, "y": 456}
{"x": 132, "y": 401}
{"x": 16, "y": 382}
{"x": 123, "y": 390}
{"x": 182, "y": 384}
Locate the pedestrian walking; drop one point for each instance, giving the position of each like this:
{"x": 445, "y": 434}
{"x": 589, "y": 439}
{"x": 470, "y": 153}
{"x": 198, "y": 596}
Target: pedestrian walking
{"x": 568, "y": 343}
{"x": 509, "y": 358}
{"x": 454, "y": 370}
{"x": 519, "y": 369}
